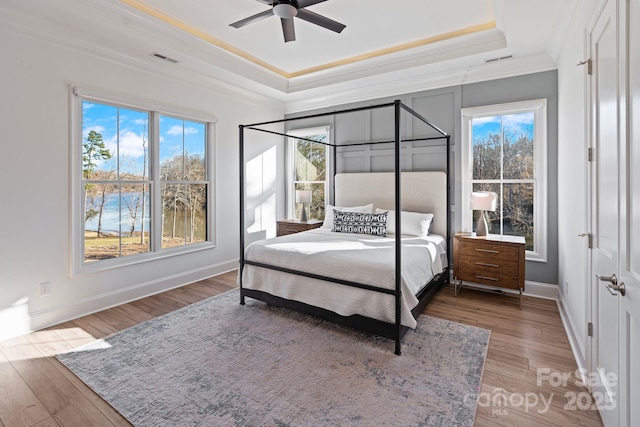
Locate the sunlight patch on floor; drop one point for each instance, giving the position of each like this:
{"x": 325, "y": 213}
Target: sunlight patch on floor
{"x": 45, "y": 343}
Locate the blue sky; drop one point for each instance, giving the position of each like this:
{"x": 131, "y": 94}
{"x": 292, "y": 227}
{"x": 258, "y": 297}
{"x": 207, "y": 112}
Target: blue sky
{"x": 520, "y": 122}
{"x": 134, "y": 129}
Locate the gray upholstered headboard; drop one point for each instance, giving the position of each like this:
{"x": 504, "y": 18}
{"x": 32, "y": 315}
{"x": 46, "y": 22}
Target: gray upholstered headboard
{"x": 421, "y": 192}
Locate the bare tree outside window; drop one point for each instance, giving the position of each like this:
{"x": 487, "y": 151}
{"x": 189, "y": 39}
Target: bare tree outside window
{"x": 115, "y": 181}
{"x": 121, "y": 183}
{"x": 183, "y": 178}
{"x": 310, "y": 164}
{"x": 503, "y": 162}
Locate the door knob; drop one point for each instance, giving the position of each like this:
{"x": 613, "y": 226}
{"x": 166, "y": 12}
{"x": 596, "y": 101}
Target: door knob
{"x": 611, "y": 279}
{"x": 617, "y": 288}
{"x": 613, "y": 288}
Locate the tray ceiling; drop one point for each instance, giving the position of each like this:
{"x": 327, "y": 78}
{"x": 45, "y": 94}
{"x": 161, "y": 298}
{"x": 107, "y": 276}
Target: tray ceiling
{"x": 403, "y": 44}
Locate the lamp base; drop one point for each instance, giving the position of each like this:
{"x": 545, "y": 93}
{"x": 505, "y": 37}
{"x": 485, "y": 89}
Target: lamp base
{"x": 482, "y": 226}
{"x": 303, "y": 215}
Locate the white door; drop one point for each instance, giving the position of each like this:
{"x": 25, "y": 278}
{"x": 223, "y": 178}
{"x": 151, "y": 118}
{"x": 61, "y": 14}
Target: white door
{"x": 615, "y": 52}
{"x": 605, "y": 213}
{"x": 630, "y": 221}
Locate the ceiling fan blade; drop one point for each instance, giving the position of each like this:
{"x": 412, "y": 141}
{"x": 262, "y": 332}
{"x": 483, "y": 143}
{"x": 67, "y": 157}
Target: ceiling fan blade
{"x": 320, "y": 20}
{"x": 252, "y": 19}
{"x": 269, "y": 2}
{"x": 288, "y": 29}
{"x": 305, "y": 3}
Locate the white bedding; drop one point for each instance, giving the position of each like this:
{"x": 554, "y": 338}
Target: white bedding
{"x": 353, "y": 257}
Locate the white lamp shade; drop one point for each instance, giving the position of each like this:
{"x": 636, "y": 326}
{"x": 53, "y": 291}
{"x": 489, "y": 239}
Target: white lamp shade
{"x": 484, "y": 201}
{"x": 303, "y": 196}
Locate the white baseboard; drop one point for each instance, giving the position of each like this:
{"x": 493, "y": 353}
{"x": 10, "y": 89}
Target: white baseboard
{"x": 532, "y": 289}
{"x": 541, "y": 290}
{"x": 576, "y": 348}
{"x": 63, "y": 313}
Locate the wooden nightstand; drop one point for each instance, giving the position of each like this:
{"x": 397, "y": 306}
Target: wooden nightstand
{"x": 494, "y": 260}
{"x": 291, "y": 226}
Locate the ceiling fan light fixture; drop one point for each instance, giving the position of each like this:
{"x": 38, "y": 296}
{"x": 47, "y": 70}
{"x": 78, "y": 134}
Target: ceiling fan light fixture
{"x": 284, "y": 10}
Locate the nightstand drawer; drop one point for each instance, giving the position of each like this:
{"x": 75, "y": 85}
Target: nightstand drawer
{"x": 289, "y": 226}
{"x": 489, "y": 265}
{"x": 488, "y": 250}
{"x": 488, "y": 276}
{"x": 284, "y": 229}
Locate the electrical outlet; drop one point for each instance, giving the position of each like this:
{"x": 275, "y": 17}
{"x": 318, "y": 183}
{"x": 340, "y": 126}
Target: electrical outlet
{"x": 45, "y": 289}
{"x": 566, "y": 287}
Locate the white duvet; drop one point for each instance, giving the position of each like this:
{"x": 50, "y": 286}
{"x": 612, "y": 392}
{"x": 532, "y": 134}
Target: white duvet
{"x": 354, "y": 257}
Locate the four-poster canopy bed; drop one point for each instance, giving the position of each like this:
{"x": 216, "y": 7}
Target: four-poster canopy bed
{"x": 360, "y": 278}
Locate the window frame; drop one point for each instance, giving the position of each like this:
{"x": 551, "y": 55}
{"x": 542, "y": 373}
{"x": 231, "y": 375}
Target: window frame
{"x": 291, "y": 182}
{"x": 77, "y": 96}
{"x": 540, "y": 192}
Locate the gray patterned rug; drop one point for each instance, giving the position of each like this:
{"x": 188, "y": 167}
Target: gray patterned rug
{"x": 216, "y": 363}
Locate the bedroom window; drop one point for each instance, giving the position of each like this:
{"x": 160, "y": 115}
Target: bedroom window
{"x": 183, "y": 181}
{"x": 504, "y": 151}
{"x": 309, "y": 161}
{"x": 144, "y": 181}
{"x": 115, "y": 181}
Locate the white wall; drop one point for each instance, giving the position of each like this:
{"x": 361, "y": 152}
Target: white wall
{"x": 35, "y": 75}
{"x": 573, "y": 177}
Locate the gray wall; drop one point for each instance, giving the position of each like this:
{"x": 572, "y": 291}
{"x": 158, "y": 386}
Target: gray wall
{"x": 532, "y": 86}
{"x": 442, "y": 107}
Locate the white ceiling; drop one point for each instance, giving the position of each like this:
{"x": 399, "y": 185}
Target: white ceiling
{"x": 371, "y": 25}
{"x": 397, "y": 46}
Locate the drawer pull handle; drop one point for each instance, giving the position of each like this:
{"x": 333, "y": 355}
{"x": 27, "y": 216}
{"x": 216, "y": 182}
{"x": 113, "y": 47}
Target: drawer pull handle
{"x": 487, "y": 264}
{"x": 487, "y": 250}
{"x": 488, "y": 278}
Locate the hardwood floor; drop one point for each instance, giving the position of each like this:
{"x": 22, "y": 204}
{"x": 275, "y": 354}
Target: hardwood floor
{"x": 37, "y": 390}
{"x": 528, "y": 354}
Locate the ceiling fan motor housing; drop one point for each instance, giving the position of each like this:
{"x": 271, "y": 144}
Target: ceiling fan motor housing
{"x": 284, "y": 9}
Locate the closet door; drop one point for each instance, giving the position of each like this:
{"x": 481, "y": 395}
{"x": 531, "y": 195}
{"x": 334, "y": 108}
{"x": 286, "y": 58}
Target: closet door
{"x": 629, "y": 310}
{"x": 615, "y": 52}
{"x": 605, "y": 213}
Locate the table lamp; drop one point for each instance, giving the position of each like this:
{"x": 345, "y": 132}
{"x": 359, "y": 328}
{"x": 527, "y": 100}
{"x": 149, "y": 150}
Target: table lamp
{"x": 483, "y": 201}
{"x": 303, "y": 196}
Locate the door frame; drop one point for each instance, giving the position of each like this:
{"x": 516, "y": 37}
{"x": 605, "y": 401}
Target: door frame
{"x": 606, "y": 396}
{"x": 590, "y": 307}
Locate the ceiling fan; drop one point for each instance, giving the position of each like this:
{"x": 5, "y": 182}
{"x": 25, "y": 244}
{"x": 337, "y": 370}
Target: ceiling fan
{"x": 286, "y": 10}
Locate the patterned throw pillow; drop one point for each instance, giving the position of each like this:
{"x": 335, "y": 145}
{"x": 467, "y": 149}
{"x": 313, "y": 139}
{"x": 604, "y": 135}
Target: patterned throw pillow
{"x": 361, "y": 223}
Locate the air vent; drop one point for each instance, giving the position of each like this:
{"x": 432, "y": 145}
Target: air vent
{"x": 501, "y": 58}
{"x": 164, "y": 58}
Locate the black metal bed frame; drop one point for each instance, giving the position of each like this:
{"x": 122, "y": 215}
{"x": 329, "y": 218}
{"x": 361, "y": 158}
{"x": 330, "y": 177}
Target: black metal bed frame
{"x": 395, "y": 330}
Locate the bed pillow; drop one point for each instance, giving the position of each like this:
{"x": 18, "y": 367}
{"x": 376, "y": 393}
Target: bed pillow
{"x": 328, "y": 213}
{"x": 412, "y": 223}
{"x": 360, "y": 223}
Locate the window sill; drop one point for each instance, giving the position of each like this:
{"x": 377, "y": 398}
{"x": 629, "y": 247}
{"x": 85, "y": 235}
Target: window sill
{"x": 116, "y": 263}
{"x": 534, "y": 257}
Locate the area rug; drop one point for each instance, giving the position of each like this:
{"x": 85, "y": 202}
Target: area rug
{"x": 217, "y": 363}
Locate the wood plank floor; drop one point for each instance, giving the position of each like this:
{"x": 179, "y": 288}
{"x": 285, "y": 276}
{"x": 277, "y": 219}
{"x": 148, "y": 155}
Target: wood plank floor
{"x": 527, "y": 352}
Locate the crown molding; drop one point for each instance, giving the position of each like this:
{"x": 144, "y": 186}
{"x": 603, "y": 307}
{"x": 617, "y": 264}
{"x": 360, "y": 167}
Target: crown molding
{"x": 434, "y": 76}
{"x": 561, "y": 28}
{"x": 445, "y": 50}
{"x": 448, "y": 62}
{"x": 192, "y": 73}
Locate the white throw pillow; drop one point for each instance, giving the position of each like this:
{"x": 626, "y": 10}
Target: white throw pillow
{"x": 328, "y": 213}
{"x": 412, "y": 223}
